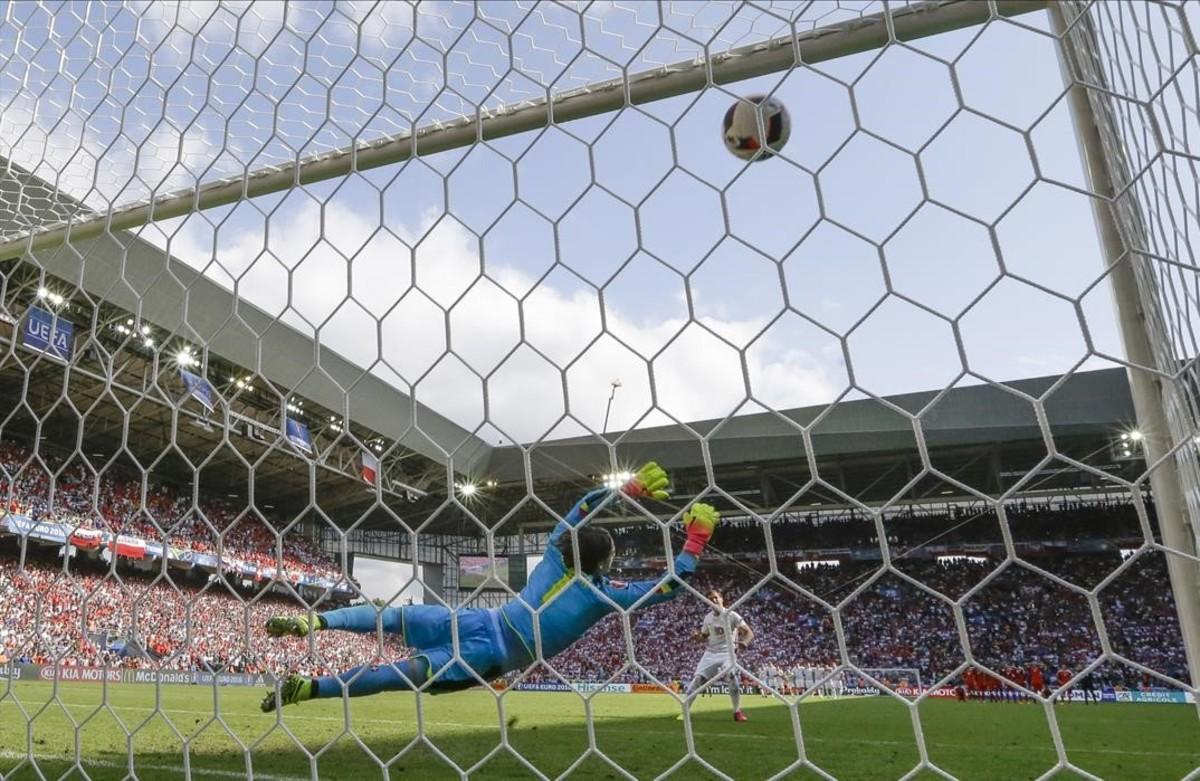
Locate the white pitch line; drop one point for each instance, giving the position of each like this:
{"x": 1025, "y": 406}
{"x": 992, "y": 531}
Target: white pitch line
{"x": 195, "y": 771}
{"x": 738, "y": 735}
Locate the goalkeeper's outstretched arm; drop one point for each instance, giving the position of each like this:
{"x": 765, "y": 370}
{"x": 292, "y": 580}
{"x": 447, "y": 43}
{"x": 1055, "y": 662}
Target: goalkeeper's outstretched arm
{"x": 700, "y": 521}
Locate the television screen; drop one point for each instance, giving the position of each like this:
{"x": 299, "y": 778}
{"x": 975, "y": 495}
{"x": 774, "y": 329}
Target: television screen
{"x": 475, "y": 570}
{"x": 382, "y": 578}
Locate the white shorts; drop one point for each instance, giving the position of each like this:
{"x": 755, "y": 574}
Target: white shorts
{"x": 713, "y": 665}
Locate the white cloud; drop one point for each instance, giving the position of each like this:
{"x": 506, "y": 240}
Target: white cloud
{"x": 695, "y": 377}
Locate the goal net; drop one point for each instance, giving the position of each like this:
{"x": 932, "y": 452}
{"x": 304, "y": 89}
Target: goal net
{"x": 311, "y": 307}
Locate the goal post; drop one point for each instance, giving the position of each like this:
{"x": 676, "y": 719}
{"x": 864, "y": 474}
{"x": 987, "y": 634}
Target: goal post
{"x": 1169, "y": 439}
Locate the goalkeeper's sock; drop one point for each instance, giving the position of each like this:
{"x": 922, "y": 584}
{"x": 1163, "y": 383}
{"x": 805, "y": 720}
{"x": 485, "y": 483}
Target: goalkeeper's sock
{"x": 735, "y": 694}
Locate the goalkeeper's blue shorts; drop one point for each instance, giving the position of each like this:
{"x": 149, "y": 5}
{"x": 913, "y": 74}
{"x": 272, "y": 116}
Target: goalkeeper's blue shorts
{"x": 482, "y": 644}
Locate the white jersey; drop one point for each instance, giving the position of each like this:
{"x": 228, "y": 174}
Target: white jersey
{"x": 719, "y": 628}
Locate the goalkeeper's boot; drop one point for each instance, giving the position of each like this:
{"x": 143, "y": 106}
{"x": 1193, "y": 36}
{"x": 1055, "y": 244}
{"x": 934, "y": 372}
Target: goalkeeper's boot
{"x": 296, "y": 689}
{"x": 739, "y": 716}
{"x": 294, "y": 626}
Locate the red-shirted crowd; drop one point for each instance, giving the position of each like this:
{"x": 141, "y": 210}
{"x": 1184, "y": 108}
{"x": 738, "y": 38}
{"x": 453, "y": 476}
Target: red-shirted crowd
{"x": 1021, "y": 625}
{"x": 116, "y": 505}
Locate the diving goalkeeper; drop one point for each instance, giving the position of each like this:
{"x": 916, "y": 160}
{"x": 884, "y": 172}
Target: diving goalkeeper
{"x": 494, "y": 641}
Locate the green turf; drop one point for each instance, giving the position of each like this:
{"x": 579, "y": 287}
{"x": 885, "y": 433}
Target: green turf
{"x": 853, "y": 739}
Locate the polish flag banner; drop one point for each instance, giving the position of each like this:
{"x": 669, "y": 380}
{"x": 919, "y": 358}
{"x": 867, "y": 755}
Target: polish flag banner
{"x": 369, "y": 467}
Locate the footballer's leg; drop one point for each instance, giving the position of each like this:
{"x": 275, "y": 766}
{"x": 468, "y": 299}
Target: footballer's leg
{"x": 482, "y": 652}
{"x": 735, "y": 694}
{"x": 357, "y": 681}
{"x": 361, "y": 619}
{"x": 706, "y": 671}
{"x": 421, "y": 626}
{"x": 699, "y": 679}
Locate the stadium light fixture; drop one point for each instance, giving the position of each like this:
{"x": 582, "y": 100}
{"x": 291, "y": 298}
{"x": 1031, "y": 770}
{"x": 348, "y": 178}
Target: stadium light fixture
{"x": 185, "y": 358}
{"x": 467, "y": 489}
{"x": 617, "y": 479}
{"x": 44, "y": 294}
{"x": 1135, "y": 435}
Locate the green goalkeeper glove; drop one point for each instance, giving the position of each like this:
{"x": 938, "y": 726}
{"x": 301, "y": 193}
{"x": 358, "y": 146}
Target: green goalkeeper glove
{"x": 650, "y": 481}
{"x": 700, "y": 521}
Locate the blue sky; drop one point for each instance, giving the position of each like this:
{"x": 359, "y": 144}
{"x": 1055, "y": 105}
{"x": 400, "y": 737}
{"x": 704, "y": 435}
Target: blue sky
{"x": 594, "y": 236}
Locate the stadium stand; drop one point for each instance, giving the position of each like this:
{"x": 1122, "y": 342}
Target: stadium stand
{"x": 127, "y": 620}
{"x": 1065, "y": 521}
{"x": 93, "y": 614}
{"x": 1015, "y": 619}
{"x": 116, "y": 506}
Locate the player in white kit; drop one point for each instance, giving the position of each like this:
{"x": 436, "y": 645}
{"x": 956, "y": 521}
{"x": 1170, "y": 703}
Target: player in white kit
{"x": 723, "y": 630}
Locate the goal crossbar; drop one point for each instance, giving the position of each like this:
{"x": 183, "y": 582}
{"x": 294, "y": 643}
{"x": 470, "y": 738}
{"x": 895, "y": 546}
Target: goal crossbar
{"x": 828, "y": 42}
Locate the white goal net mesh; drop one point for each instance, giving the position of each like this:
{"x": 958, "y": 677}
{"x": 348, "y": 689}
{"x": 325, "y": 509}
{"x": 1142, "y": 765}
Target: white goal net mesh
{"x": 310, "y": 305}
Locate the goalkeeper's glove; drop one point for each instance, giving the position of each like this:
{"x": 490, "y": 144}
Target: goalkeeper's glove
{"x": 650, "y": 481}
{"x": 699, "y": 521}
{"x": 296, "y": 626}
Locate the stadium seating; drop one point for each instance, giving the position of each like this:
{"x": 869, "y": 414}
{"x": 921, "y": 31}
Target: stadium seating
{"x": 166, "y": 517}
{"x": 1017, "y": 617}
{"x": 178, "y": 627}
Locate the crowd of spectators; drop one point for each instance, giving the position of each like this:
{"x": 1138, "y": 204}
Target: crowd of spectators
{"x": 1060, "y": 522}
{"x": 87, "y": 614}
{"x": 48, "y": 614}
{"x": 116, "y": 505}
{"x": 1017, "y": 618}
{"x": 52, "y": 616}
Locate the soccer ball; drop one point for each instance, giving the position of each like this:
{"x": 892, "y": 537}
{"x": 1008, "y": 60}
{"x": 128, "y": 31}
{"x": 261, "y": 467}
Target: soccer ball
{"x": 740, "y": 128}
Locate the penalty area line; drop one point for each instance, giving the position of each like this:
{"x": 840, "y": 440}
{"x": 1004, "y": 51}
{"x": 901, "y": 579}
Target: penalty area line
{"x": 143, "y": 766}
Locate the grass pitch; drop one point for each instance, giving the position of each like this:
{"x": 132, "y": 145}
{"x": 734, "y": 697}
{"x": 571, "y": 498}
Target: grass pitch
{"x": 851, "y": 739}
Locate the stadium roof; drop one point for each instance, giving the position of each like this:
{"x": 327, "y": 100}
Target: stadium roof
{"x": 982, "y": 436}
{"x": 1088, "y": 402}
{"x": 138, "y": 277}
{"x": 862, "y": 447}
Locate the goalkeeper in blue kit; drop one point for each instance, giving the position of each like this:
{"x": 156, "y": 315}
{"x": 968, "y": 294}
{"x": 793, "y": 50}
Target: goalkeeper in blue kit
{"x": 494, "y": 641}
